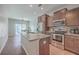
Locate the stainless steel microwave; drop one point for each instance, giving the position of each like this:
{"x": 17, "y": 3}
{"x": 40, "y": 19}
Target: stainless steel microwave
{"x": 60, "y": 22}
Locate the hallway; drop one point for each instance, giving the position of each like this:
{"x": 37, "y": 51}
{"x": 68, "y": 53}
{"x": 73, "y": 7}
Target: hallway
{"x": 13, "y": 46}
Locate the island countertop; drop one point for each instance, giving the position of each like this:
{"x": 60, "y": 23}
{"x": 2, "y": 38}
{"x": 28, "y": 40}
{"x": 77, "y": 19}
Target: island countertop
{"x": 30, "y": 42}
{"x": 34, "y": 36}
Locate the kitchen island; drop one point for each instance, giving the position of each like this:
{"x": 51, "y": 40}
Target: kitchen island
{"x": 35, "y": 43}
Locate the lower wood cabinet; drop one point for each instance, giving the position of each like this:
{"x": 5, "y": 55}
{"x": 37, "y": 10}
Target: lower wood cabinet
{"x": 44, "y": 46}
{"x": 76, "y": 46}
{"x": 72, "y": 44}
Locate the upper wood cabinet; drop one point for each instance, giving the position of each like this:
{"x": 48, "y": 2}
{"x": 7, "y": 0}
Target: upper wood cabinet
{"x": 60, "y": 14}
{"x": 50, "y": 19}
{"x": 72, "y": 17}
{"x": 44, "y": 20}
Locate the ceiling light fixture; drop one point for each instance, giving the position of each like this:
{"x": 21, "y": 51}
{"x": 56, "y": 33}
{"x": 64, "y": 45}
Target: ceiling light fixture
{"x": 31, "y": 5}
{"x": 42, "y": 8}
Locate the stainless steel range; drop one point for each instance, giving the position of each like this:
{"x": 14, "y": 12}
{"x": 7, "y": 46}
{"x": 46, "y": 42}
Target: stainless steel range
{"x": 58, "y": 33}
{"x": 58, "y": 40}
{"x": 59, "y": 36}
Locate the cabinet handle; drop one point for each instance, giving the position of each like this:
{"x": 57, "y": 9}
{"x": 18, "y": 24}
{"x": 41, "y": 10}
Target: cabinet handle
{"x": 44, "y": 42}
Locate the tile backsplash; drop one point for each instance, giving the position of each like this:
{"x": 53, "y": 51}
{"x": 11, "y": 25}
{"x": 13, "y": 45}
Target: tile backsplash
{"x": 73, "y": 29}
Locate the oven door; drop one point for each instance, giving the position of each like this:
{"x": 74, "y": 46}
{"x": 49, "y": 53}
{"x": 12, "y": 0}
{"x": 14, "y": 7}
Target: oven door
{"x": 57, "y": 37}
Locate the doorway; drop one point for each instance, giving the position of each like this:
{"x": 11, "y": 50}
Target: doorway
{"x": 17, "y": 29}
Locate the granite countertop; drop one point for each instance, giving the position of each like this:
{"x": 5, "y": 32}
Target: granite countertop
{"x": 72, "y": 34}
{"x": 34, "y": 36}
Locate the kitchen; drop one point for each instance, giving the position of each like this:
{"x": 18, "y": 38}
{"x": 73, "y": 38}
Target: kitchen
{"x": 50, "y": 33}
{"x": 63, "y": 28}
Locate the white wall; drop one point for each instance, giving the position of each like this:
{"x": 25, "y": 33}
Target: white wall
{"x": 11, "y": 27}
{"x": 3, "y": 31}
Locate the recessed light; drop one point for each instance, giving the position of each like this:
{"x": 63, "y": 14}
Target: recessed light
{"x": 30, "y": 5}
{"x": 42, "y": 8}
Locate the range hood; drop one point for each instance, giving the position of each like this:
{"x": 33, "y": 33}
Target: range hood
{"x": 60, "y": 22}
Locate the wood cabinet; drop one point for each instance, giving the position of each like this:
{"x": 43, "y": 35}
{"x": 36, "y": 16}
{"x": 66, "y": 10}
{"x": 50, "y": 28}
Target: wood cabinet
{"x": 69, "y": 43}
{"x": 72, "y": 17}
{"x": 60, "y": 14}
{"x": 77, "y": 45}
{"x": 44, "y": 19}
{"x": 44, "y": 46}
{"x": 50, "y": 19}
{"x": 72, "y": 43}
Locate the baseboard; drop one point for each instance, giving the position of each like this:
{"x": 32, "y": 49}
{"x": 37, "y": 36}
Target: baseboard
{"x": 3, "y": 46}
{"x": 25, "y": 50}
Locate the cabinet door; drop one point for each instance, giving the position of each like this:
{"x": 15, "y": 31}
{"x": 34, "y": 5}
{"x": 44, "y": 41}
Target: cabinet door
{"x": 60, "y": 14}
{"x": 72, "y": 17}
{"x": 44, "y": 46}
{"x": 50, "y": 19}
{"x": 72, "y": 44}
{"x": 76, "y": 43}
{"x": 43, "y": 19}
{"x": 69, "y": 43}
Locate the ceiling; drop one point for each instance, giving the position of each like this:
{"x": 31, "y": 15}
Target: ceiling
{"x": 28, "y": 11}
